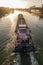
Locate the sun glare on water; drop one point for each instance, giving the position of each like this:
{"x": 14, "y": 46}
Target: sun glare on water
{"x": 13, "y": 19}
{"x": 13, "y": 16}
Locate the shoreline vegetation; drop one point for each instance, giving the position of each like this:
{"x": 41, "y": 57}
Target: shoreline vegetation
{"x": 4, "y": 11}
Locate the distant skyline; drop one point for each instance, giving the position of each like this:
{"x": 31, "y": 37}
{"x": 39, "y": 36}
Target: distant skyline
{"x": 20, "y": 3}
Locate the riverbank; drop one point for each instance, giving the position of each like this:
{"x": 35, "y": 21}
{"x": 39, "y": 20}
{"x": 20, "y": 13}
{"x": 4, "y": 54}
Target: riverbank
{"x": 37, "y": 14}
{"x": 4, "y": 11}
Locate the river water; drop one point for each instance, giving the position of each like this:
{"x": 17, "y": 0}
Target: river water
{"x": 7, "y": 36}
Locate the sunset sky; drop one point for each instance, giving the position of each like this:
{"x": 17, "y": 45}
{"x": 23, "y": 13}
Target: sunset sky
{"x": 20, "y": 3}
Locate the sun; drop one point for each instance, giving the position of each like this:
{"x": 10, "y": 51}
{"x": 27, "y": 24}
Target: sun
{"x": 19, "y": 4}
{"x": 12, "y": 3}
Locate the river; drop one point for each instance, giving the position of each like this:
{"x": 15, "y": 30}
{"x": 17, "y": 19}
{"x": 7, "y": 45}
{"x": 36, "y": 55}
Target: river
{"x": 7, "y": 36}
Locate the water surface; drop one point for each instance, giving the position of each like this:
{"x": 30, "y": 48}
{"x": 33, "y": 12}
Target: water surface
{"x": 7, "y": 36}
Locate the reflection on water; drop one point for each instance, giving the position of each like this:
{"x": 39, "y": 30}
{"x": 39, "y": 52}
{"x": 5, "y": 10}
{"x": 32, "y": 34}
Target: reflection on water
{"x": 7, "y": 37}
